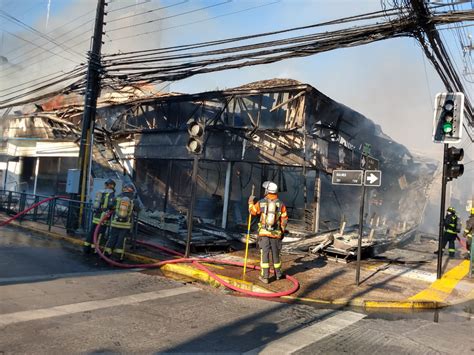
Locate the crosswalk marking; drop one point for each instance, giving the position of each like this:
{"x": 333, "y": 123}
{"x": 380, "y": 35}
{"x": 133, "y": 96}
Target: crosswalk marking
{"x": 304, "y": 337}
{"x": 25, "y": 316}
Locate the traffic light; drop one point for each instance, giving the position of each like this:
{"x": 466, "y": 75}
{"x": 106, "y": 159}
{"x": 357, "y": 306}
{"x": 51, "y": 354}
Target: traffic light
{"x": 196, "y": 136}
{"x": 453, "y": 168}
{"x": 448, "y": 117}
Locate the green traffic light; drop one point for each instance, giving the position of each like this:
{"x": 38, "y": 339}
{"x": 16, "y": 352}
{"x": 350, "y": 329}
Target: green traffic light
{"x": 447, "y": 127}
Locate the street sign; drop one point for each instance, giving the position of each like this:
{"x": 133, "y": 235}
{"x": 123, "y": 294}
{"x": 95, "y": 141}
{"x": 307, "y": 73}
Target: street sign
{"x": 372, "y": 178}
{"x": 367, "y": 148}
{"x": 368, "y": 163}
{"x": 347, "y": 177}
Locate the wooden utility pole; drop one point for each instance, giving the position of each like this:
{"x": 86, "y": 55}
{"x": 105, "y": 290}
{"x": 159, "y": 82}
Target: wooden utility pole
{"x": 90, "y": 102}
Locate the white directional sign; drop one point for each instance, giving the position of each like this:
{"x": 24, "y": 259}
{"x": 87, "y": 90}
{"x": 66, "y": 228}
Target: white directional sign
{"x": 347, "y": 177}
{"x": 372, "y": 178}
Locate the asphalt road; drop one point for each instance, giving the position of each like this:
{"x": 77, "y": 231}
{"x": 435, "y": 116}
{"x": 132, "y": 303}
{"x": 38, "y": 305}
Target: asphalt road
{"x": 53, "y": 300}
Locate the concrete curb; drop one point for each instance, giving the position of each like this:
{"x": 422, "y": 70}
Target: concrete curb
{"x": 373, "y": 304}
{"x": 199, "y": 275}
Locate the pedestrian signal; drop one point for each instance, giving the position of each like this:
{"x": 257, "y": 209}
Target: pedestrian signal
{"x": 448, "y": 117}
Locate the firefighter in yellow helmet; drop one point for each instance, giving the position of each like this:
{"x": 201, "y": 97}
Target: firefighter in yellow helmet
{"x": 468, "y": 231}
{"x": 103, "y": 203}
{"x": 121, "y": 223}
{"x": 271, "y": 228}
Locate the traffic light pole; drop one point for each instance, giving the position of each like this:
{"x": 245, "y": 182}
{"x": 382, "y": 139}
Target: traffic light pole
{"x": 191, "y": 205}
{"x": 90, "y": 101}
{"x": 441, "y": 215}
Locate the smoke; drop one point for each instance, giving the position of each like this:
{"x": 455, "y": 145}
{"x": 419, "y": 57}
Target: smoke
{"x": 72, "y": 27}
{"x": 47, "y": 14}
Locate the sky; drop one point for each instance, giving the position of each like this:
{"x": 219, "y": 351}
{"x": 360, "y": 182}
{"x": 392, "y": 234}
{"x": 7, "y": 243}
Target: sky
{"x": 390, "y": 82}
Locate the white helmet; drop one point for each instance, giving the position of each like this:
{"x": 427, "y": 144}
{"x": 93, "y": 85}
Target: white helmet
{"x": 270, "y": 187}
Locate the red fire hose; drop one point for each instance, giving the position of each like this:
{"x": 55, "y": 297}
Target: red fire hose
{"x": 19, "y": 214}
{"x": 196, "y": 262}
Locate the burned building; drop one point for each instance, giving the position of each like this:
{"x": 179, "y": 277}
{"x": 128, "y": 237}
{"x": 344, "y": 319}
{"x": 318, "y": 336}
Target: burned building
{"x": 279, "y": 130}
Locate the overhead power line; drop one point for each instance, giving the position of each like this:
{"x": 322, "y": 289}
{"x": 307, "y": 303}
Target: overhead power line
{"x": 66, "y": 24}
{"x": 35, "y": 31}
{"x": 196, "y": 22}
{"x": 147, "y": 12}
{"x": 37, "y": 46}
{"x": 124, "y": 69}
{"x": 170, "y": 16}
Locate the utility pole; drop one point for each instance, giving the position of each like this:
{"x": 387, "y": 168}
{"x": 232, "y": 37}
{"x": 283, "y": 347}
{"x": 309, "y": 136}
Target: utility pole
{"x": 90, "y": 103}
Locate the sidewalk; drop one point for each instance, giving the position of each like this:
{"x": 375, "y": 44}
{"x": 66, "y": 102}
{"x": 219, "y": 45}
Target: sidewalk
{"x": 383, "y": 284}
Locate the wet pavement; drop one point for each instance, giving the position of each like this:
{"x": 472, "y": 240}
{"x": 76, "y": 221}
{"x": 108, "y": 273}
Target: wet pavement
{"x": 27, "y": 255}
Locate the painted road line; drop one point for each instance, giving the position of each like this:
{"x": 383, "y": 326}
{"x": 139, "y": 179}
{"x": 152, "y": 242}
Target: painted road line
{"x": 300, "y": 339}
{"x": 440, "y": 290}
{"x": 25, "y": 316}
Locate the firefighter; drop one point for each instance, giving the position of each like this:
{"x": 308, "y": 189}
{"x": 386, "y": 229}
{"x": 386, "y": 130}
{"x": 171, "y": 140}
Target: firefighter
{"x": 121, "y": 223}
{"x": 450, "y": 231}
{"x": 103, "y": 202}
{"x": 271, "y": 229}
{"x": 468, "y": 231}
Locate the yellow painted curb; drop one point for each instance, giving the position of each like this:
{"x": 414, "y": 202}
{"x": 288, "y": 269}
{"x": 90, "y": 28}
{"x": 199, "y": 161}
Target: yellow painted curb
{"x": 405, "y": 304}
{"x": 373, "y": 304}
{"x": 199, "y": 275}
{"x": 441, "y": 289}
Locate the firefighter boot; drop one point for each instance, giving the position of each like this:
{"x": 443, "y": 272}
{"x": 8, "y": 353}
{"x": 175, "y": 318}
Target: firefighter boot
{"x": 264, "y": 275}
{"x": 278, "y": 274}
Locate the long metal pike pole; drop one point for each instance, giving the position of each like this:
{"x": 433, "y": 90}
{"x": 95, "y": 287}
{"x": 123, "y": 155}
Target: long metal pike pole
{"x": 247, "y": 238}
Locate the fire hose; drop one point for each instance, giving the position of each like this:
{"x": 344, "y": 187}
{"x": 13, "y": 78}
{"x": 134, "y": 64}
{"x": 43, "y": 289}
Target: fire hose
{"x": 196, "y": 262}
{"x": 19, "y": 214}
{"x": 181, "y": 259}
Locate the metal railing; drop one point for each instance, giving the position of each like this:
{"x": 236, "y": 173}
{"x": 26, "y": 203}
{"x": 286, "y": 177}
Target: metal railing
{"x": 59, "y": 212}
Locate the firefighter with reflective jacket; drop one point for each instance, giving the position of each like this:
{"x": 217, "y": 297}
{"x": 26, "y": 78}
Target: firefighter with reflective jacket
{"x": 450, "y": 231}
{"x": 469, "y": 230}
{"x": 121, "y": 222}
{"x": 103, "y": 203}
{"x": 271, "y": 228}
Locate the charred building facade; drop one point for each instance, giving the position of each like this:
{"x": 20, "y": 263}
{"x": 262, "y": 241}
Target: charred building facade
{"x": 279, "y": 130}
